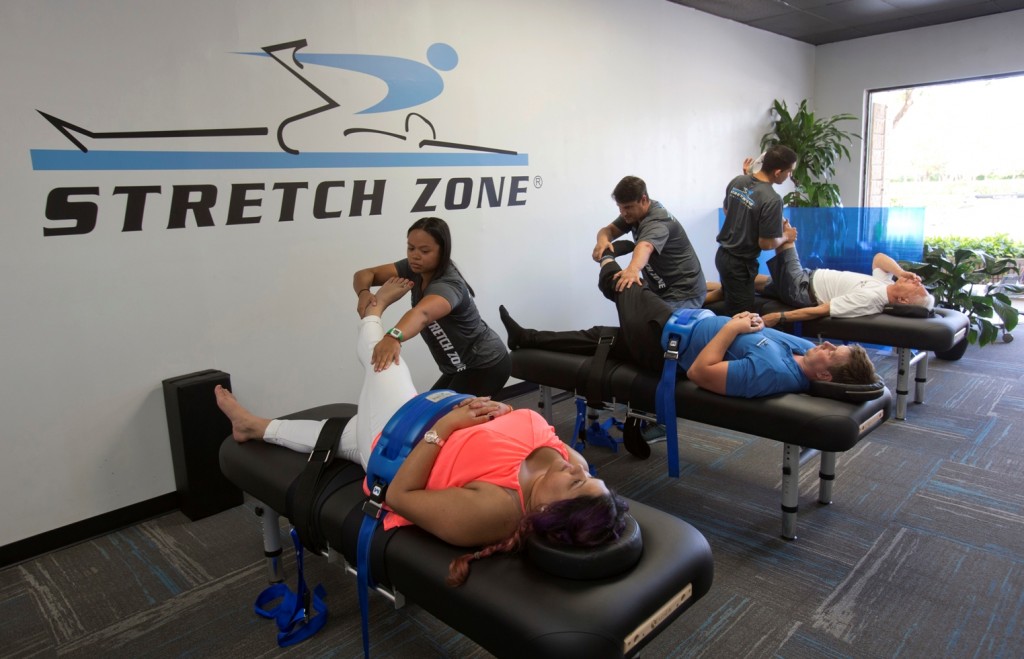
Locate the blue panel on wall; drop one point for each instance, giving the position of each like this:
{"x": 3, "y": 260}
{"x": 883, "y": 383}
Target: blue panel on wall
{"x": 848, "y": 238}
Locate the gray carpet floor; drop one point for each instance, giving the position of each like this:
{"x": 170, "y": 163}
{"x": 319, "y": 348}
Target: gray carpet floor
{"x": 920, "y": 555}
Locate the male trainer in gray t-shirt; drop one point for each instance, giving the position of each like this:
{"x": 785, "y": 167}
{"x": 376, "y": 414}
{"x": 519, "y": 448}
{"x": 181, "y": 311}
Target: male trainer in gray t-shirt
{"x": 753, "y": 222}
{"x": 663, "y": 256}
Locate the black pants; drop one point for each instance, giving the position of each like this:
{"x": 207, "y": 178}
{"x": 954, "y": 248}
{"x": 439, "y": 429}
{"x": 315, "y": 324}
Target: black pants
{"x": 791, "y": 282}
{"x": 642, "y": 315}
{"x": 737, "y": 277}
{"x": 478, "y": 381}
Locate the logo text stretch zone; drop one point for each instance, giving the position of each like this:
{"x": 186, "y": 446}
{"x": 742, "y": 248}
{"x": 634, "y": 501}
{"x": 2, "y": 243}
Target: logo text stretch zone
{"x": 76, "y": 210}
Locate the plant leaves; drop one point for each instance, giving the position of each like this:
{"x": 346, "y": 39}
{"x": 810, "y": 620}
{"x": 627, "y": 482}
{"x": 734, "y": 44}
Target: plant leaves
{"x": 819, "y": 145}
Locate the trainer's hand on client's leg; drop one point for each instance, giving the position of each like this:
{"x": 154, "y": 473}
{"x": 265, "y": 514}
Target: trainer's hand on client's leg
{"x": 385, "y": 353}
{"x": 626, "y": 278}
{"x": 366, "y": 301}
{"x": 789, "y": 231}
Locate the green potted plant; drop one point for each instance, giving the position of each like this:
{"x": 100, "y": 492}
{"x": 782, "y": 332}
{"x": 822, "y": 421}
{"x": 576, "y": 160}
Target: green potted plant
{"x": 968, "y": 282}
{"x": 819, "y": 144}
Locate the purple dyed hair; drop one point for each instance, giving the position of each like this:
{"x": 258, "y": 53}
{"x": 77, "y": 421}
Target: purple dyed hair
{"x": 580, "y": 522}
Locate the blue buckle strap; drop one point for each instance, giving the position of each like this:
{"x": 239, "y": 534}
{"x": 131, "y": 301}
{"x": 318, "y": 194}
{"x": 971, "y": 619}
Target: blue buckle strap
{"x": 665, "y": 402}
{"x": 401, "y": 433}
{"x": 675, "y": 338}
{"x": 300, "y": 614}
{"x": 363, "y": 579}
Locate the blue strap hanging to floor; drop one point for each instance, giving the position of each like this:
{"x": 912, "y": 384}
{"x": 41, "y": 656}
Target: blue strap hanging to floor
{"x": 300, "y": 614}
{"x": 675, "y": 337}
{"x": 403, "y": 431}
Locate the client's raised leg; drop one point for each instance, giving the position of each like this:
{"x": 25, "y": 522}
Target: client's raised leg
{"x": 382, "y": 394}
{"x": 642, "y": 315}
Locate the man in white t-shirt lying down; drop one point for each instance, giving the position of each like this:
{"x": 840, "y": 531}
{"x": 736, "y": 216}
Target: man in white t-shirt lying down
{"x": 836, "y": 293}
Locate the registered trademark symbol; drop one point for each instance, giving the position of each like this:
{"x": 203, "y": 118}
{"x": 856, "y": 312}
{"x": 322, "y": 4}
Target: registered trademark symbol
{"x": 538, "y": 182}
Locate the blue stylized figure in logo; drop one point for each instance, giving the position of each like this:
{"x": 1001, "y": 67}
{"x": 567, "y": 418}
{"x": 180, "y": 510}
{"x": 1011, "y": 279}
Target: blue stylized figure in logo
{"x": 410, "y": 83}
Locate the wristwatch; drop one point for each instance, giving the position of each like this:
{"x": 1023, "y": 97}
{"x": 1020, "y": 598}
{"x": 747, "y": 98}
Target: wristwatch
{"x": 433, "y": 438}
{"x": 397, "y": 333}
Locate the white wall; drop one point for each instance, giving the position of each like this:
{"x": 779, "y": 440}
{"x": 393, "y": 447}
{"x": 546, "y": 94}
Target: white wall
{"x": 846, "y": 71}
{"x": 590, "y": 89}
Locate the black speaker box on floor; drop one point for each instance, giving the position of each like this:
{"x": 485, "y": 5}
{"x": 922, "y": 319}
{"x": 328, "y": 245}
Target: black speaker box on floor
{"x": 197, "y": 427}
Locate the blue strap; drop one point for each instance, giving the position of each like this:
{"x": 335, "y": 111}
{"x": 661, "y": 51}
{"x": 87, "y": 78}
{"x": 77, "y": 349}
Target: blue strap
{"x": 300, "y": 614}
{"x": 364, "y": 582}
{"x": 283, "y": 611}
{"x": 401, "y": 433}
{"x": 581, "y": 423}
{"x": 675, "y": 338}
{"x": 665, "y": 402}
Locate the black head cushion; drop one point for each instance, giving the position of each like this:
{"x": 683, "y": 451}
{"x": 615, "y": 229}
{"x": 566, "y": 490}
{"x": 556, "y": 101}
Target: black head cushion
{"x": 908, "y": 310}
{"x": 586, "y": 563}
{"x": 850, "y": 393}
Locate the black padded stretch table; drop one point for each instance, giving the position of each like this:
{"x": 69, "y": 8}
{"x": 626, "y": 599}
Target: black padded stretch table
{"x": 508, "y": 606}
{"x": 938, "y": 333}
{"x": 798, "y": 421}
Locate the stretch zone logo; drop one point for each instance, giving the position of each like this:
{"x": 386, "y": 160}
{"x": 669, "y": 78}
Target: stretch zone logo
{"x": 413, "y": 143}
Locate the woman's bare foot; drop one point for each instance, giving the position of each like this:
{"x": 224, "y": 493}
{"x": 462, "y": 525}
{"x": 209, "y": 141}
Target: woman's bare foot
{"x": 244, "y": 424}
{"x": 392, "y": 291}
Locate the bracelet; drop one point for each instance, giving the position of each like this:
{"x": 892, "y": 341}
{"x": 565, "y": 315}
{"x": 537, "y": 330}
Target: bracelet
{"x": 360, "y": 291}
{"x": 782, "y": 316}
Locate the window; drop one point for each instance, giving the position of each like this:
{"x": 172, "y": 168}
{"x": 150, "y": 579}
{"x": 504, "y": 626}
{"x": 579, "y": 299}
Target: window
{"x": 956, "y": 149}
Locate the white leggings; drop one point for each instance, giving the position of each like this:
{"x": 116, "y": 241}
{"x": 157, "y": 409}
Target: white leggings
{"x": 382, "y": 394}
